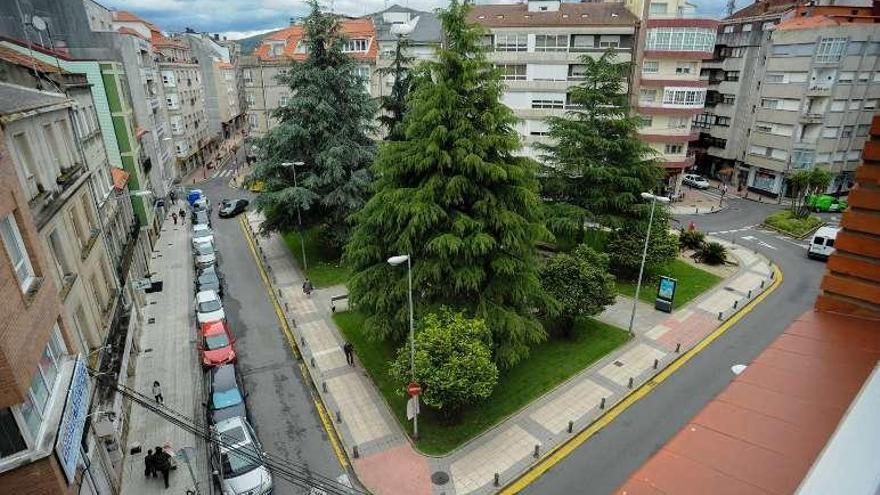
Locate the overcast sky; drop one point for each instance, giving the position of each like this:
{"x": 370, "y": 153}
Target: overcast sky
{"x": 242, "y": 18}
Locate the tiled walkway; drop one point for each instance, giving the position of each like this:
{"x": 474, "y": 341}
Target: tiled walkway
{"x": 363, "y": 419}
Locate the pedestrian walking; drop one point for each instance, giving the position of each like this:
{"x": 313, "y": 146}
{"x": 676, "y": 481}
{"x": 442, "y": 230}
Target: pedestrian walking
{"x": 348, "y": 349}
{"x": 157, "y": 392}
{"x": 163, "y": 464}
{"x": 182, "y": 215}
{"x": 173, "y": 197}
{"x": 174, "y": 217}
{"x": 308, "y": 287}
{"x": 149, "y": 465}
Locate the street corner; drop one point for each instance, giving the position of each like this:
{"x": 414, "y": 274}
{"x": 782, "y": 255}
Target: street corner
{"x": 395, "y": 471}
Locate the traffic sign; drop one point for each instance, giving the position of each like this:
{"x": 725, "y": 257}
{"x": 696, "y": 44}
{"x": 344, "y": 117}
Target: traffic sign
{"x": 413, "y": 389}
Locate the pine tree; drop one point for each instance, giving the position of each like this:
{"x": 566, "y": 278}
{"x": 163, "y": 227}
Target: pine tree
{"x": 596, "y": 161}
{"x": 454, "y": 197}
{"x": 326, "y": 125}
{"x": 393, "y": 105}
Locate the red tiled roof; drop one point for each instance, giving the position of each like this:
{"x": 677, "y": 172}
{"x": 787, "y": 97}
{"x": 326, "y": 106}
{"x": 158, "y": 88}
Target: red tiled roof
{"x": 128, "y": 30}
{"x": 126, "y": 16}
{"x": 569, "y": 14}
{"x": 351, "y": 28}
{"x": 120, "y": 178}
{"x": 17, "y": 58}
{"x": 766, "y": 7}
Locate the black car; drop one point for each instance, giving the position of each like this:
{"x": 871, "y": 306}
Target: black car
{"x": 232, "y": 207}
{"x": 227, "y": 394}
{"x": 210, "y": 279}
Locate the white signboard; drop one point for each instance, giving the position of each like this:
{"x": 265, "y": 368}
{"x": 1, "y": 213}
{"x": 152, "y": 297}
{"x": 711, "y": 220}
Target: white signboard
{"x": 142, "y": 284}
{"x": 67, "y": 446}
{"x": 412, "y": 407}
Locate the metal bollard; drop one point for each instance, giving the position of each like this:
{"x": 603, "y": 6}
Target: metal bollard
{"x": 497, "y": 480}
{"x": 750, "y": 294}
{"x": 338, "y": 417}
{"x": 354, "y": 452}
{"x": 697, "y": 211}
{"x": 313, "y": 361}
{"x": 762, "y": 284}
{"x": 735, "y": 304}
{"x": 279, "y": 294}
{"x": 286, "y": 308}
{"x": 570, "y": 426}
{"x": 602, "y": 404}
{"x": 302, "y": 340}
{"x": 537, "y": 451}
{"x": 324, "y": 386}
{"x": 678, "y": 347}
{"x": 630, "y": 384}
{"x": 720, "y": 315}
{"x": 656, "y": 363}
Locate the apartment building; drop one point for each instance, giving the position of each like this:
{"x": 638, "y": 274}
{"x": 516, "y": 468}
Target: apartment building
{"x": 673, "y": 43}
{"x": 538, "y": 46}
{"x": 263, "y": 92}
{"x": 43, "y": 168}
{"x": 185, "y": 103}
{"x": 816, "y": 85}
{"x": 217, "y": 60}
{"x": 422, "y": 32}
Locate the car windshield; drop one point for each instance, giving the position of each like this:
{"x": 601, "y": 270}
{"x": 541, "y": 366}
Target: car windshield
{"x": 216, "y": 341}
{"x": 226, "y": 398}
{"x": 208, "y": 306}
{"x": 208, "y": 278}
{"x": 204, "y": 248}
{"x": 241, "y": 460}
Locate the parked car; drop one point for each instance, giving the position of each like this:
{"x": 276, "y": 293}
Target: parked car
{"x": 232, "y": 207}
{"x": 822, "y": 243}
{"x": 202, "y": 233}
{"x": 202, "y": 204}
{"x": 209, "y": 307}
{"x": 205, "y": 254}
{"x": 201, "y": 217}
{"x": 194, "y": 195}
{"x": 227, "y": 398}
{"x": 697, "y": 181}
{"x": 210, "y": 279}
{"x": 238, "y": 459}
{"x": 218, "y": 344}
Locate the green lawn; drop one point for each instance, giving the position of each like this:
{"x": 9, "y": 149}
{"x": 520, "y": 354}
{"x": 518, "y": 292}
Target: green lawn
{"x": 785, "y": 222}
{"x": 692, "y": 282}
{"x": 324, "y": 269}
{"x": 550, "y": 364}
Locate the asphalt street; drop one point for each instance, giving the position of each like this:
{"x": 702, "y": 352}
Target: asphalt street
{"x": 278, "y": 399}
{"x": 607, "y": 459}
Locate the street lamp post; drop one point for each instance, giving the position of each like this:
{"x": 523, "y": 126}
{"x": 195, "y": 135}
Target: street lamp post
{"x": 395, "y": 261}
{"x": 654, "y": 199}
{"x": 292, "y": 166}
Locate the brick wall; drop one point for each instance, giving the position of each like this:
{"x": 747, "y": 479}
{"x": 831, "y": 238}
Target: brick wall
{"x": 26, "y": 321}
{"x": 43, "y": 477}
{"x": 852, "y": 283}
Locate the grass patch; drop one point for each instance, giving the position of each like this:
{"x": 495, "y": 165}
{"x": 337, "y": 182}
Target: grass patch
{"x": 549, "y": 364}
{"x": 786, "y": 222}
{"x": 325, "y": 268}
{"x": 692, "y": 282}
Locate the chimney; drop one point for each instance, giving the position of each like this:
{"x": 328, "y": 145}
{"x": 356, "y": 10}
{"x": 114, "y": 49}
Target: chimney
{"x": 216, "y": 36}
{"x": 292, "y": 21}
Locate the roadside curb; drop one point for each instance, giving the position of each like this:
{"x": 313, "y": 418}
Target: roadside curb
{"x": 561, "y": 451}
{"x": 800, "y": 238}
{"x": 332, "y": 433}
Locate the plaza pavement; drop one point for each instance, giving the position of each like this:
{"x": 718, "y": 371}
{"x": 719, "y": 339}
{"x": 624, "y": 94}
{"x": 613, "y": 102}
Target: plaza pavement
{"x": 387, "y": 463}
{"x": 166, "y": 352}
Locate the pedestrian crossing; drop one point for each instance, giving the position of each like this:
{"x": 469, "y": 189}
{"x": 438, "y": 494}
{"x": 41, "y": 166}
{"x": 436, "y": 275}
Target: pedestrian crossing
{"x": 223, "y": 173}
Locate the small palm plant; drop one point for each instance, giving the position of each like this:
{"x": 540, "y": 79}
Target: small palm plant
{"x": 712, "y": 253}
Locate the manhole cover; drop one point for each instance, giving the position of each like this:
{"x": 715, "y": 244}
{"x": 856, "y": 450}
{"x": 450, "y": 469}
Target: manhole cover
{"x": 440, "y": 478}
{"x": 150, "y": 321}
{"x": 618, "y": 363}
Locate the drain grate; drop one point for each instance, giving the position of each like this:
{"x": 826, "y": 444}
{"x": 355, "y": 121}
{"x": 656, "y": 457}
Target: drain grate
{"x": 618, "y": 363}
{"x": 731, "y": 289}
{"x": 150, "y": 321}
{"x": 440, "y": 478}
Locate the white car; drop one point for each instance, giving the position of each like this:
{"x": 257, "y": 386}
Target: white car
{"x": 209, "y": 307}
{"x": 205, "y": 254}
{"x": 238, "y": 459}
{"x": 695, "y": 180}
{"x": 202, "y": 233}
{"x": 822, "y": 243}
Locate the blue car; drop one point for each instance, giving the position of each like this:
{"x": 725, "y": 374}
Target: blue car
{"x": 227, "y": 398}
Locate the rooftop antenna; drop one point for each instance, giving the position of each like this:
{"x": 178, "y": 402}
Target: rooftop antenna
{"x": 731, "y": 7}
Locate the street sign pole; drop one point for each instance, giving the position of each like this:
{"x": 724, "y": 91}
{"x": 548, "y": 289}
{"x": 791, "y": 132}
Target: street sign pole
{"x": 413, "y": 389}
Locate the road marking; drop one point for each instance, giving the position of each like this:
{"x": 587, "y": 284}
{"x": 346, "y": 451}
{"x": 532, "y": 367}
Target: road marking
{"x": 332, "y": 434}
{"x": 565, "y": 449}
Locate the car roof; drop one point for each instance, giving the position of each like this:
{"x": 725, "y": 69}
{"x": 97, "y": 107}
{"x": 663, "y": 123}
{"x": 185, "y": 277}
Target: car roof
{"x": 206, "y": 295}
{"x": 201, "y": 226}
{"x": 236, "y": 425}
{"x": 212, "y": 327}
{"x": 223, "y": 377}
{"x": 827, "y": 231}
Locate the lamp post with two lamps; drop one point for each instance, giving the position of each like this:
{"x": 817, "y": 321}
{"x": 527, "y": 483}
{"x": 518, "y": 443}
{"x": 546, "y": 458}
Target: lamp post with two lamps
{"x": 654, "y": 199}
{"x": 413, "y": 387}
{"x": 292, "y": 166}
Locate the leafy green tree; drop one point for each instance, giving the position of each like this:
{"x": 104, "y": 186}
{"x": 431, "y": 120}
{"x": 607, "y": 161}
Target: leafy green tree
{"x": 803, "y": 184}
{"x": 393, "y": 105}
{"x": 453, "y": 362}
{"x": 581, "y": 284}
{"x": 627, "y": 243}
{"x": 326, "y": 125}
{"x": 595, "y": 159}
{"x": 454, "y": 196}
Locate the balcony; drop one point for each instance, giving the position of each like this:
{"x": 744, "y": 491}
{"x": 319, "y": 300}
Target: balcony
{"x": 153, "y": 101}
{"x": 47, "y": 203}
{"x": 89, "y": 244}
{"x": 819, "y": 90}
{"x": 804, "y": 145}
{"x": 810, "y": 118}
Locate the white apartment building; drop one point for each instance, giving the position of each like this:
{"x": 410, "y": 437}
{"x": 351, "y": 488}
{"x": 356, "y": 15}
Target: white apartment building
{"x": 538, "y": 45}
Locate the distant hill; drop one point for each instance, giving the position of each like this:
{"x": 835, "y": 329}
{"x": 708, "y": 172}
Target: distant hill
{"x": 249, "y": 44}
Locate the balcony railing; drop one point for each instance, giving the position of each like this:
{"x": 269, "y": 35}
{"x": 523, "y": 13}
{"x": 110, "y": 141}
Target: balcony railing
{"x": 811, "y": 118}
{"x": 819, "y": 90}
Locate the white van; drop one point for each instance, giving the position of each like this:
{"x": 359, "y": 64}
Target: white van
{"x": 822, "y": 244}
{"x": 240, "y": 465}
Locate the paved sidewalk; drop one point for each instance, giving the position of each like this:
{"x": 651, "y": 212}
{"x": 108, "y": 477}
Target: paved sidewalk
{"x": 697, "y": 202}
{"x": 167, "y": 353}
{"x": 386, "y": 462}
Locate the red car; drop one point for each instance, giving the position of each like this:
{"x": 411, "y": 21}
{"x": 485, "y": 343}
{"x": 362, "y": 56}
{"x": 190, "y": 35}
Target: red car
{"x": 217, "y": 344}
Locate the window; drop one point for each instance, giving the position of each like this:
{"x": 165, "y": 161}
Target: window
{"x": 847, "y": 131}
{"x": 581, "y": 42}
{"x": 830, "y": 50}
{"x": 17, "y": 252}
{"x": 577, "y": 72}
{"x": 646, "y": 120}
{"x": 551, "y": 42}
{"x": 674, "y": 149}
{"x": 854, "y": 104}
{"x": 685, "y": 68}
{"x": 276, "y": 48}
{"x": 774, "y": 77}
{"x": 764, "y": 180}
{"x": 845, "y": 77}
{"x": 513, "y": 72}
{"x": 830, "y": 132}
{"x": 763, "y": 127}
{"x": 548, "y": 103}
{"x": 704, "y": 120}
{"x": 285, "y": 100}
{"x": 771, "y": 103}
{"x": 609, "y": 41}
{"x": 168, "y": 78}
{"x": 689, "y": 97}
{"x": 658, "y": 8}
{"x": 650, "y": 67}
{"x": 681, "y": 39}
{"x": 864, "y": 77}
{"x": 252, "y": 120}
{"x": 26, "y": 157}
{"x": 172, "y": 101}
{"x": 870, "y": 104}
{"x": 11, "y": 441}
{"x": 728, "y": 99}
{"x": 862, "y": 130}
{"x": 356, "y": 45}
{"x": 677, "y": 122}
{"x": 838, "y": 105}
{"x": 722, "y": 121}
{"x": 511, "y": 42}
{"x": 248, "y": 76}
{"x": 729, "y": 29}
{"x": 746, "y": 28}
{"x": 731, "y": 75}
{"x": 647, "y": 95}
{"x": 301, "y": 47}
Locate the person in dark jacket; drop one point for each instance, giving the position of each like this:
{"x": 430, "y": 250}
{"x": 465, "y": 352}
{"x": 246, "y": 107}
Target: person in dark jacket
{"x": 163, "y": 464}
{"x": 149, "y": 465}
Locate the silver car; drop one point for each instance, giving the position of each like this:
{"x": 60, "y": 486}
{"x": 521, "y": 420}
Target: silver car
{"x": 238, "y": 459}
{"x": 205, "y": 254}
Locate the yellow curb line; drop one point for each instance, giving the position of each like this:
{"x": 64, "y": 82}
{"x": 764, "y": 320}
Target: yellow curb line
{"x": 566, "y": 448}
{"x": 332, "y": 434}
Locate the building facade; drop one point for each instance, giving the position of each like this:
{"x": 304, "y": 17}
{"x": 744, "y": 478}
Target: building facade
{"x": 538, "y": 46}
{"x": 422, "y": 32}
{"x": 815, "y": 86}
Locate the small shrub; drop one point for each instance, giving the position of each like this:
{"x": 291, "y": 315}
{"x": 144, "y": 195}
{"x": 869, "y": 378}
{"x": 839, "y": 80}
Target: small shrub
{"x": 691, "y": 239}
{"x": 792, "y": 225}
{"x": 712, "y": 253}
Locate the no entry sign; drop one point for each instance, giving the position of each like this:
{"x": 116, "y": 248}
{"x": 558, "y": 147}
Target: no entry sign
{"x": 413, "y": 389}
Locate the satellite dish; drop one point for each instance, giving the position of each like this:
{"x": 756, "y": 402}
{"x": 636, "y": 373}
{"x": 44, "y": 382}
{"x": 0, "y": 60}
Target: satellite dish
{"x": 39, "y": 23}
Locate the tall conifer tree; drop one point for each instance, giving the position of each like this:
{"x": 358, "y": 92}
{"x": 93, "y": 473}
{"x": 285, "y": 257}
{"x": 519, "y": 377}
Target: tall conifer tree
{"x": 454, "y": 196}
